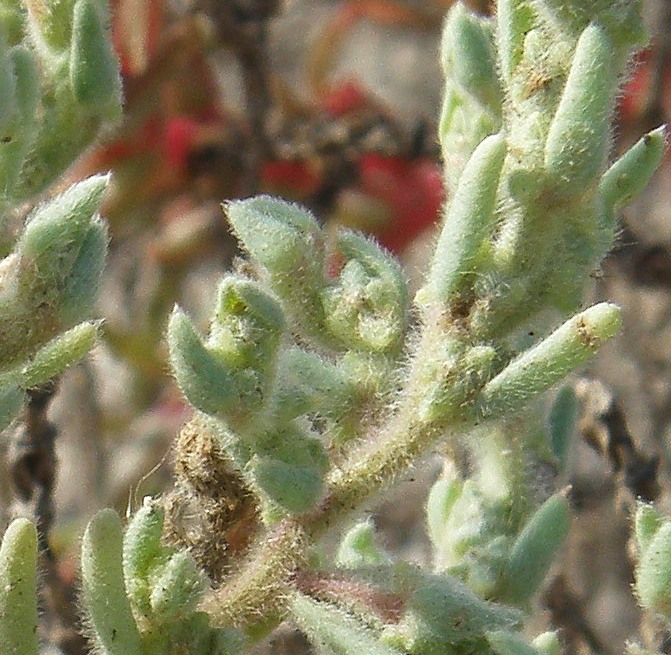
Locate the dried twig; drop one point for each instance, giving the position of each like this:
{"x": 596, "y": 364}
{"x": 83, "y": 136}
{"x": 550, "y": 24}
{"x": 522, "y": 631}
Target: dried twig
{"x": 242, "y": 26}
{"x": 568, "y": 614}
{"x": 604, "y": 427}
{"x": 32, "y": 466}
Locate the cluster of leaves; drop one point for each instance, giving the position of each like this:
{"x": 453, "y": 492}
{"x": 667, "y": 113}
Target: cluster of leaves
{"x": 184, "y": 144}
{"x": 59, "y": 85}
{"x": 319, "y": 380}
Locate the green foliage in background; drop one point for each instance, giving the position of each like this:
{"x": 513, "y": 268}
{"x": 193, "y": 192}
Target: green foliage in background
{"x": 320, "y": 378}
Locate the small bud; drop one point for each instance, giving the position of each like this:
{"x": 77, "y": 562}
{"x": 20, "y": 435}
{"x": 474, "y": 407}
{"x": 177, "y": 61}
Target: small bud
{"x": 358, "y": 548}
{"x": 546, "y": 363}
{"x": 103, "y": 590}
{"x": 176, "y": 590}
{"x": 230, "y": 373}
{"x": 367, "y": 308}
{"x": 256, "y": 220}
{"x": 534, "y": 550}
{"x": 579, "y": 134}
{"x": 18, "y": 589}
{"x": 288, "y": 243}
{"x": 469, "y": 218}
{"x": 51, "y": 280}
{"x": 142, "y": 551}
{"x": 248, "y": 325}
{"x": 61, "y": 352}
{"x": 632, "y": 172}
{"x": 334, "y": 631}
{"x": 94, "y": 71}
{"x": 509, "y": 643}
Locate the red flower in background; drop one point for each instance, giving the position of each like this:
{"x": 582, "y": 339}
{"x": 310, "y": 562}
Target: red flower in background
{"x": 412, "y": 191}
{"x": 173, "y": 115}
{"x": 649, "y": 86}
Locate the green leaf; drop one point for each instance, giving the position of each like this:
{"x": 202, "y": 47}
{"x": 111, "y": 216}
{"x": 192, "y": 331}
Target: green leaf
{"x": 103, "y": 591}
{"x": 80, "y": 287}
{"x": 546, "y": 363}
{"x": 204, "y": 379}
{"x": 508, "y": 643}
{"x": 444, "y": 612}
{"x": 579, "y": 135}
{"x": 11, "y": 400}
{"x": 333, "y": 632}
{"x": 308, "y": 383}
{"x": 366, "y": 308}
{"x": 561, "y": 423}
{"x": 248, "y": 325}
{"x": 443, "y": 496}
{"x": 18, "y": 589}
{"x": 535, "y": 548}
{"x": 469, "y": 57}
{"x": 469, "y": 217}
{"x": 288, "y": 243}
{"x": 290, "y": 469}
{"x": 54, "y": 233}
{"x": 8, "y": 101}
{"x": 653, "y": 574}
{"x": 632, "y": 172}
{"x": 647, "y": 522}
{"x": 61, "y": 352}
{"x": 176, "y": 588}
{"x": 94, "y": 71}
{"x": 514, "y": 20}
{"x": 142, "y": 551}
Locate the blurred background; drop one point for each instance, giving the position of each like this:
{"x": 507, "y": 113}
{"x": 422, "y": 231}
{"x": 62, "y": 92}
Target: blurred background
{"x": 334, "y": 104}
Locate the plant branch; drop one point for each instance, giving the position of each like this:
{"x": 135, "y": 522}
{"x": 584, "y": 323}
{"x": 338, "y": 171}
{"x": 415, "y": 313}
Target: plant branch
{"x": 33, "y": 467}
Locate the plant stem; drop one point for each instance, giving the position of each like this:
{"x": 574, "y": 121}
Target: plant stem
{"x": 267, "y": 573}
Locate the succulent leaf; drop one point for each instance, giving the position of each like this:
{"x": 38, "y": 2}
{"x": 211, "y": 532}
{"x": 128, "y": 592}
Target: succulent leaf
{"x": 18, "y": 589}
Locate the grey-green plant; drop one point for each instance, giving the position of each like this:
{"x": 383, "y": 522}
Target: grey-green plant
{"x": 59, "y": 86}
{"x": 321, "y": 379}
